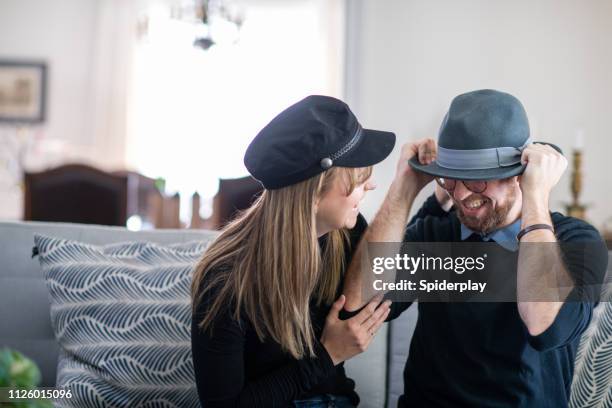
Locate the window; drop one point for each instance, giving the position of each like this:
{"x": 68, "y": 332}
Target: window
{"x": 193, "y": 111}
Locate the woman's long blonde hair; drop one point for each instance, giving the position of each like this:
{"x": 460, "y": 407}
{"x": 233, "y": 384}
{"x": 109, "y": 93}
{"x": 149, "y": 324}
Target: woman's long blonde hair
{"x": 268, "y": 264}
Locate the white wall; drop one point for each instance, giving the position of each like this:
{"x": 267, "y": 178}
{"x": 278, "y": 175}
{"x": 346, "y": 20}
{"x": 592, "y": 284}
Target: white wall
{"x": 87, "y": 46}
{"x": 407, "y": 59}
{"x": 60, "y": 33}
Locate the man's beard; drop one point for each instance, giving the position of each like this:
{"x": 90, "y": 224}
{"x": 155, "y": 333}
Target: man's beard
{"x": 493, "y": 217}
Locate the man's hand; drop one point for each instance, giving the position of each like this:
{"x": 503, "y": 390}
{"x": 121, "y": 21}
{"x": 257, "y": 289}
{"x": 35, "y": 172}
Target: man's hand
{"x": 344, "y": 339}
{"x": 538, "y": 266}
{"x": 444, "y": 198}
{"x": 545, "y": 166}
{"x": 426, "y": 151}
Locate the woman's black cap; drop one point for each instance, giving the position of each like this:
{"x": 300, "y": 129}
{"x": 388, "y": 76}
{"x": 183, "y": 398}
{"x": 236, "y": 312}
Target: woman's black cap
{"x": 308, "y": 138}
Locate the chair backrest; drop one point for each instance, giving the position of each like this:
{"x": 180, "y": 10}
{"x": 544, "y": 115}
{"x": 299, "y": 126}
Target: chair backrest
{"x": 234, "y": 195}
{"x": 76, "y": 193}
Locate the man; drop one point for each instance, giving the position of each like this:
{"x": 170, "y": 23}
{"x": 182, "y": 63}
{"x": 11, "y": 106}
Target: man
{"x": 501, "y": 354}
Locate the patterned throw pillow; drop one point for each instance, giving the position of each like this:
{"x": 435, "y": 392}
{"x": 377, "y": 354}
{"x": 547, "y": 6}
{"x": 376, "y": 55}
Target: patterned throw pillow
{"x": 592, "y": 386}
{"x": 121, "y": 315}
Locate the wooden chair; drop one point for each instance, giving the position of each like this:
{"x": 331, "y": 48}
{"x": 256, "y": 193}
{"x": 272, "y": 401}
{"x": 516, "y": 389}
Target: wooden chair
{"x": 234, "y": 195}
{"x": 82, "y": 194}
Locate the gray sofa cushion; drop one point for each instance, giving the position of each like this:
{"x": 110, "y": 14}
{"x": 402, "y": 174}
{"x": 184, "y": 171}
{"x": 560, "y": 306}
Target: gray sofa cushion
{"x": 121, "y": 314}
{"x": 24, "y": 300}
{"x": 400, "y": 335}
{"x": 592, "y": 385}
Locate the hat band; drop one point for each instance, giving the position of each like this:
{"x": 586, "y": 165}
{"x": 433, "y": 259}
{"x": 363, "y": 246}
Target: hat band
{"x": 480, "y": 159}
{"x": 351, "y": 143}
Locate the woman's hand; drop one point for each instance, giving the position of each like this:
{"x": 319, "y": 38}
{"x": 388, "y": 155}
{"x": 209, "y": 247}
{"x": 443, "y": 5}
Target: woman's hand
{"x": 344, "y": 339}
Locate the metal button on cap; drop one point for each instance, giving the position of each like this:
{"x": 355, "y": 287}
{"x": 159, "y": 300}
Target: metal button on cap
{"x": 326, "y": 163}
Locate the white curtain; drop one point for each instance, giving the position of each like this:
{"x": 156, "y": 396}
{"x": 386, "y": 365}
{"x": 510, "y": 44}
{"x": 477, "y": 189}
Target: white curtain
{"x": 112, "y": 55}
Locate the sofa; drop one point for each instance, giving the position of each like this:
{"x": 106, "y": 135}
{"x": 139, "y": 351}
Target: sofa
{"x": 25, "y": 307}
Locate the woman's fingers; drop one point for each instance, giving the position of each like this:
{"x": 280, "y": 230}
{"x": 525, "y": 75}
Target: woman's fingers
{"x": 368, "y": 310}
{"x": 375, "y": 317}
{"x": 368, "y": 335}
{"x": 376, "y": 325}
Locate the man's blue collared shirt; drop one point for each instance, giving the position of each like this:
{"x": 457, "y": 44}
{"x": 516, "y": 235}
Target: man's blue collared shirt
{"x": 506, "y": 237}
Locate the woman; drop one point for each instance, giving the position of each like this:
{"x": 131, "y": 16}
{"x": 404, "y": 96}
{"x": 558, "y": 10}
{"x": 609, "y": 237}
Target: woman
{"x": 264, "y": 330}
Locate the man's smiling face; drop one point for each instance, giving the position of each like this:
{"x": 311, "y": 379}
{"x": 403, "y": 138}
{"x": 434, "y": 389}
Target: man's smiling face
{"x": 492, "y": 209}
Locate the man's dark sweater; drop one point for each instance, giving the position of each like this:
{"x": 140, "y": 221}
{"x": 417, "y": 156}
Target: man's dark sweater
{"x": 481, "y": 354}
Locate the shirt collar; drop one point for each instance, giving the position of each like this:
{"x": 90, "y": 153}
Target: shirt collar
{"x": 506, "y": 237}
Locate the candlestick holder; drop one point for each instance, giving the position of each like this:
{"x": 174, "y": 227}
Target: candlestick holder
{"x": 575, "y": 208}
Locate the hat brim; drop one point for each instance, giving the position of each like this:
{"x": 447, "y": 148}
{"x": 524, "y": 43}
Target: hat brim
{"x": 373, "y": 147}
{"x": 436, "y": 170}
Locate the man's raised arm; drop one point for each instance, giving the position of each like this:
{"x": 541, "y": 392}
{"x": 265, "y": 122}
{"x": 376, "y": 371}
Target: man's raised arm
{"x": 541, "y": 270}
{"x": 389, "y": 224}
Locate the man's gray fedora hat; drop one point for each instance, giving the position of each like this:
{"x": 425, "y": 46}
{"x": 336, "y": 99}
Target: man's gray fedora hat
{"x": 481, "y": 138}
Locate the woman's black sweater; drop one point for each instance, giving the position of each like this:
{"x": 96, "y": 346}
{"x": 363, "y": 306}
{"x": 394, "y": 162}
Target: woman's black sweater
{"x": 233, "y": 368}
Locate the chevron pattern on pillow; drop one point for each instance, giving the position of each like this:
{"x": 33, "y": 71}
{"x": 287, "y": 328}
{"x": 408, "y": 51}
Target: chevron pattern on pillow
{"x": 122, "y": 317}
{"x": 592, "y": 385}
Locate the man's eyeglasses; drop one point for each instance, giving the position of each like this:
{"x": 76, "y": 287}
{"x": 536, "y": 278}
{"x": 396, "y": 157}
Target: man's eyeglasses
{"x": 449, "y": 185}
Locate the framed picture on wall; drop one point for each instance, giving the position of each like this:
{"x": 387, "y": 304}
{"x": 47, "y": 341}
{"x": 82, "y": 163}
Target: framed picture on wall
{"x": 22, "y": 91}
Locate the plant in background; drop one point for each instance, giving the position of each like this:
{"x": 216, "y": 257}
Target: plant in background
{"x": 19, "y": 372}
